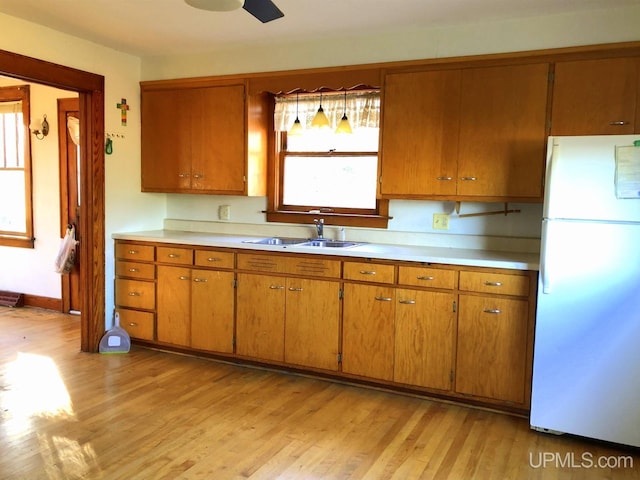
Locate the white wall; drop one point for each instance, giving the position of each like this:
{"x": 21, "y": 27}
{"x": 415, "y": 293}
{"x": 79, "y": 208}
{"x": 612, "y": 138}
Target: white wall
{"x": 30, "y": 270}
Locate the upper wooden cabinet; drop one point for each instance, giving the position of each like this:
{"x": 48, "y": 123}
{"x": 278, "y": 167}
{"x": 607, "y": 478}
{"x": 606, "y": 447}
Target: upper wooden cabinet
{"x": 420, "y": 133}
{"x": 503, "y": 118}
{"x": 596, "y": 97}
{"x": 196, "y": 140}
{"x": 468, "y": 134}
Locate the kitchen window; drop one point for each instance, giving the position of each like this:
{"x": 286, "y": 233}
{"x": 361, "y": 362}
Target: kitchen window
{"x": 321, "y": 172}
{"x": 16, "y": 216}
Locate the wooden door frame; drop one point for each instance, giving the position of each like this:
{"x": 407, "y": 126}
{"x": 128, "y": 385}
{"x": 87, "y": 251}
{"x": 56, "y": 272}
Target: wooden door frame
{"x": 90, "y": 88}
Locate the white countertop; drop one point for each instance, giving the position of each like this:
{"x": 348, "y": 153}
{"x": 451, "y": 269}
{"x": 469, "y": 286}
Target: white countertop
{"x": 413, "y": 253}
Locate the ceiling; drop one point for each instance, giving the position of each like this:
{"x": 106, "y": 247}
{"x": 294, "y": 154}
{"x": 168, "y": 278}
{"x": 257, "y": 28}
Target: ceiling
{"x": 171, "y": 27}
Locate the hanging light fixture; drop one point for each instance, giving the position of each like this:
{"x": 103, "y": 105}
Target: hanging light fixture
{"x": 296, "y": 128}
{"x": 320, "y": 120}
{"x": 344, "y": 126}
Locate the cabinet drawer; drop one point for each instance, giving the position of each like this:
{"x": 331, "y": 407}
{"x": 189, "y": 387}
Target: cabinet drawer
{"x": 370, "y": 272}
{"x": 501, "y": 283}
{"x": 176, "y": 256}
{"x": 427, "y": 277}
{"x": 313, "y": 267}
{"x": 261, "y": 263}
{"x": 212, "y": 258}
{"x": 135, "y": 294}
{"x": 145, "y": 271}
{"x": 137, "y": 324}
{"x": 128, "y": 251}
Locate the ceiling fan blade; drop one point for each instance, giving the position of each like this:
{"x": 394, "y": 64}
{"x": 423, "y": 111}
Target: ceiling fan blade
{"x": 263, "y": 10}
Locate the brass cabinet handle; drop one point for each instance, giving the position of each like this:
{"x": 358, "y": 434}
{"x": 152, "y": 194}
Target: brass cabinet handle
{"x": 135, "y": 294}
{"x": 367, "y": 272}
{"x": 183, "y": 175}
{"x": 276, "y": 287}
{"x": 214, "y": 259}
{"x": 174, "y": 255}
{"x": 469, "y": 179}
{"x": 200, "y": 280}
{"x": 133, "y": 252}
{"x": 133, "y": 324}
{"x": 198, "y": 175}
{"x": 421, "y": 277}
{"x": 407, "y": 302}
{"x": 184, "y": 277}
{"x": 295, "y": 289}
{"x": 619, "y": 123}
{"x": 445, "y": 179}
{"x": 384, "y": 299}
{"x": 134, "y": 270}
{"x": 492, "y": 310}
{"x": 493, "y": 284}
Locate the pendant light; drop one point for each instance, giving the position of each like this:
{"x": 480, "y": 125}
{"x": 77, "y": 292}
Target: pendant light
{"x": 320, "y": 120}
{"x": 296, "y": 128}
{"x": 344, "y": 126}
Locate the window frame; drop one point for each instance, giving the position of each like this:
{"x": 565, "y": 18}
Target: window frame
{"x": 277, "y": 211}
{"x": 20, "y": 239}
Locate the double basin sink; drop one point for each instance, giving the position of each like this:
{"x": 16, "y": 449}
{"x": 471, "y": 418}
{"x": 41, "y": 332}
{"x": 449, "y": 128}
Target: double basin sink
{"x": 305, "y": 242}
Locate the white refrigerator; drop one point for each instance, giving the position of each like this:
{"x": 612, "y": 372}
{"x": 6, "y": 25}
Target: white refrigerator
{"x": 586, "y": 365}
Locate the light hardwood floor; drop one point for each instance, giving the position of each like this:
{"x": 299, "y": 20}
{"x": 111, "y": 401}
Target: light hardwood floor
{"x": 153, "y": 415}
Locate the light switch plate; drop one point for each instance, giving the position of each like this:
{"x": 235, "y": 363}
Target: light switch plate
{"x": 440, "y": 221}
{"x": 224, "y": 212}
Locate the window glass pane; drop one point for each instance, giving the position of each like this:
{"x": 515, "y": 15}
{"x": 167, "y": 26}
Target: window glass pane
{"x": 334, "y": 181}
{"x": 324, "y": 139}
{"x": 12, "y": 199}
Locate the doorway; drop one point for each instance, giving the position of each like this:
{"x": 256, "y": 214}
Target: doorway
{"x": 90, "y": 88}
{"x": 69, "y": 166}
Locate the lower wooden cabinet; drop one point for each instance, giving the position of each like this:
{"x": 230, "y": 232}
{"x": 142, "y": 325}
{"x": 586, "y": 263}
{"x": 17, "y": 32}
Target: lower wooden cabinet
{"x": 492, "y": 348}
{"x": 425, "y": 338}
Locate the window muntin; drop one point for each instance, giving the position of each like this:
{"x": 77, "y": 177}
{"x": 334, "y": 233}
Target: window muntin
{"x": 16, "y": 224}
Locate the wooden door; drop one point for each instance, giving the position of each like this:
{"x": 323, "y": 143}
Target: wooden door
{"x": 212, "y": 308}
{"x": 174, "y": 305}
{"x": 218, "y": 139}
{"x": 595, "y": 97}
{"x": 312, "y": 323}
{"x": 420, "y": 133}
{"x": 503, "y": 131}
{"x": 492, "y": 347}
{"x": 166, "y": 141}
{"x": 69, "y": 163}
{"x": 424, "y": 338}
{"x": 260, "y": 316}
{"x": 368, "y": 331}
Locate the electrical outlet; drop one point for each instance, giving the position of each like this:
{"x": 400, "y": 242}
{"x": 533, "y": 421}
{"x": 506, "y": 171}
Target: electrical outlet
{"x": 440, "y": 221}
{"x": 224, "y": 212}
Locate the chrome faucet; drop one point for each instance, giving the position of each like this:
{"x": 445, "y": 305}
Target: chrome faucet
{"x": 319, "y": 227}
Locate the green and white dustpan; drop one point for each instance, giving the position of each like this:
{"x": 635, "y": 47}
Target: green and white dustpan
{"x": 116, "y": 339}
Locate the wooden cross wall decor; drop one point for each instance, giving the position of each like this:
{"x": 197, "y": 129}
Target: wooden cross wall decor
{"x": 123, "y": 110}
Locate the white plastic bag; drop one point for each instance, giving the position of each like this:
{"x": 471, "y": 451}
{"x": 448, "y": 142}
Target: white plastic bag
{"x": 67, "y": 253}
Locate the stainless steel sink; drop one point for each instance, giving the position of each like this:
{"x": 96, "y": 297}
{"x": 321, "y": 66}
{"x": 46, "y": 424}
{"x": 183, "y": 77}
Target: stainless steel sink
{"x": 278, "y": 241}
{"x": 326, "y": 243}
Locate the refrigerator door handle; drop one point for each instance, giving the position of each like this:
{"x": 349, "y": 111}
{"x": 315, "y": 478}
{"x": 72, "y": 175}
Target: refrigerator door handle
{"x": 544, "y": 266}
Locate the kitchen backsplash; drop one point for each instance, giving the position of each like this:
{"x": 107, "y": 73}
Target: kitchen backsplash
{"x": 411, "y": 223}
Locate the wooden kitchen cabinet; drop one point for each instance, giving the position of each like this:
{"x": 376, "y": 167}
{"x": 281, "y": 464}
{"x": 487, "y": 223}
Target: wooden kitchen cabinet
{"x": 174, "y": 305}
{"x": 419, "y": 149}
{"x": 368, "y": 330}
{"x": 503, "y": 119}
{"x": 425, "y": 324}
{"x": 194, "y": 140}
{"x": 596, "y": 97}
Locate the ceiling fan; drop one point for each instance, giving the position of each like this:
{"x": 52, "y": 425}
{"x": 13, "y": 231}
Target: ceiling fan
{"x": 263, "y": 10}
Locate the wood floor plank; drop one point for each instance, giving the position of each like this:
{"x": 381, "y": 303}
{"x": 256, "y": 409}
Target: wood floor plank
{"x": 154, "y": 415}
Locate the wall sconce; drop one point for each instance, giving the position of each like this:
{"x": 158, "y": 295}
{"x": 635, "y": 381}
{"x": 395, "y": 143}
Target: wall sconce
{"x": 40, "y": 128}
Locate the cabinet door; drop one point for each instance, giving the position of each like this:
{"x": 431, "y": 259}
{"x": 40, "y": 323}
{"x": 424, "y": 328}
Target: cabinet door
{"x": 492, "y": 348}
{"x": 166, "y": 146}
{"x": 424, "y": 338}
{"x": 217, "y": 138}
{"x": 260, "y": 316}
{"x": 174, "y": 305}
{"x": 368, "y": 331}
{"x": 420, "y": 133}
{"x": 595, "y": 97}
{"x": 312, "y": 323}
{"x": 503, "y": 131}
{"x": 212, "y": 307}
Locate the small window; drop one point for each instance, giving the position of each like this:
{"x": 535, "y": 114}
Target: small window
{"x": 320, "y": 170}
{"x": 16, "y": 224}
